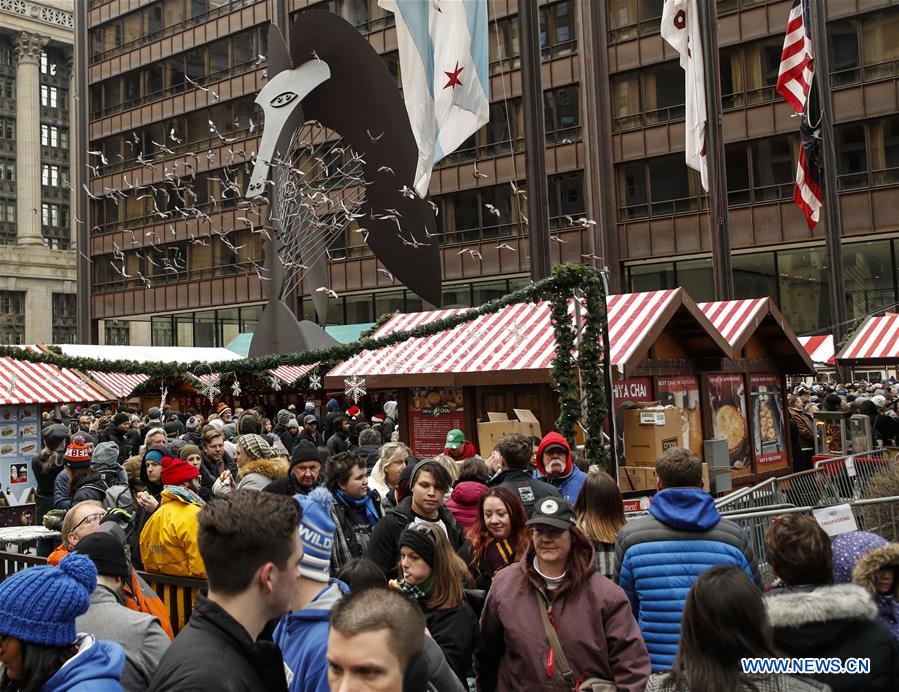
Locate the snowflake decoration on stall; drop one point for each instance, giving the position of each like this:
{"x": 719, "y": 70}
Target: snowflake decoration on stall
{"x": 514, "y": 333}
{"x": 12, "y": 384}
{"x": 211, "y": 388}
{"x": 235, "y": 388}
{"x": 275, "y": 383}
{"x": 82, "y": 383}
{"x": 315, "y": 382}
{"x": 354, "y": 388}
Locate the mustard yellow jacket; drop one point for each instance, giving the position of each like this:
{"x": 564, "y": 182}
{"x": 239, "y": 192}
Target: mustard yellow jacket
{"x": 168, "y": 542}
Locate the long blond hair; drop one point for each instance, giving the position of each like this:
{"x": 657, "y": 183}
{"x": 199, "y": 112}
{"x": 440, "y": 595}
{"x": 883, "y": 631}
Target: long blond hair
{"x": 599, "y": 507}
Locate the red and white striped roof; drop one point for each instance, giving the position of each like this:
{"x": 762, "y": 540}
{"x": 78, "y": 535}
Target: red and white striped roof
{"x": 22, "y": 382}
{"x": 517, "y": 337}
{"x": 289, "y": 374}
{"x": 820, "y": 348}
{"x": 119, "y": 385}
{"x": 876, "y": 339}
{"x": 735, "y": 319}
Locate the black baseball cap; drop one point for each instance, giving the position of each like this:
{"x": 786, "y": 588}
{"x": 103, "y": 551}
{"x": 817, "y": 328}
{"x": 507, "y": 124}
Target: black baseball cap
{"x": 555, "y": 512}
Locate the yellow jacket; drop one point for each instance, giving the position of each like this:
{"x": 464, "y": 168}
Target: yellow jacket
{"x": 168, "y": 542}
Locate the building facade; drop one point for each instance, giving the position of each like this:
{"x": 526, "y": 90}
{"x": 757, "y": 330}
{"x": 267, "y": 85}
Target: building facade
{"x": 37, "y": 244}
{"x": 161, "y": 74}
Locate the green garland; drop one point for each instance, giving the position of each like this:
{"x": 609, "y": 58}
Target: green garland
{"x": 558, "y": 289}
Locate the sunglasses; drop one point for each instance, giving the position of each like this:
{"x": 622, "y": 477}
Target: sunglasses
{"x": 422, "y": 529}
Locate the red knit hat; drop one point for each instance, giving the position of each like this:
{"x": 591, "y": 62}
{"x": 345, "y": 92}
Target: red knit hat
{"x": 77, "y": 456}
{"x": 176, "y": 471}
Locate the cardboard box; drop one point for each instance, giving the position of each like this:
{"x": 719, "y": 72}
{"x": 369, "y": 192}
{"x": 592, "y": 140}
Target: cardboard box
{"x": 639, "y": 478}
{"x": 499, "y": 424}
{"x": 649, "y": 431}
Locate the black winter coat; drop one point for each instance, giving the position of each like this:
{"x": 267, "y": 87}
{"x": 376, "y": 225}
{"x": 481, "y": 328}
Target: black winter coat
{"x": 383, "y": 548}
{"x": 215, "y": 653}
{"x": 128, "y": 442}
{"x": 456, "y": 631}
{"x": 209, "y": 472}
{"x": 525, "y": 486}
{"x": 337, "y": 443}
{"x": 288, "y": 486}
{"x": 835, "y": 621}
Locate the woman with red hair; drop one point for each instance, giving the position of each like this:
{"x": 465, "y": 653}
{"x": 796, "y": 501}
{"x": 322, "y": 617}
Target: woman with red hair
{"x": 498, "y": 535}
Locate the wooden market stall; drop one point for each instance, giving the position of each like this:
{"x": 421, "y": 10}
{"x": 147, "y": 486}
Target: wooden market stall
{"x": 873, "y": 349}
{"x": 748, "y": 404}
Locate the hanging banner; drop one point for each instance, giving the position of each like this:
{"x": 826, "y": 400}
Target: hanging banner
{"x": 682, "y": 392}
{"x": 727, "y": 395}
{"x": 432, "y": 414}
{"x": 19, "y": 442}
{"x": 769, "y": 434}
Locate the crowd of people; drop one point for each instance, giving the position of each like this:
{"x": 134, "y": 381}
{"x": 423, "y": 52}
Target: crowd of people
{"x": 335, "y": 559}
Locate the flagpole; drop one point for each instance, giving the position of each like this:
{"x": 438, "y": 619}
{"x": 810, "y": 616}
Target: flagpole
{"x": 834, "y": 222}
{"x": 535, "y": 140}
{"x": 719, "y": 227}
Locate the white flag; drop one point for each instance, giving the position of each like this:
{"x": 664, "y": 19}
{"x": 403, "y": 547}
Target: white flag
{"x": 680, "y": 28}
{"x": 444, "y": 63}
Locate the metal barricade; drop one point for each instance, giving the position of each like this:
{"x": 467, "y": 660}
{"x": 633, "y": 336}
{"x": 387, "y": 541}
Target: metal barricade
{"x": 757, "y": 496}
{"x": 850, "y": 475}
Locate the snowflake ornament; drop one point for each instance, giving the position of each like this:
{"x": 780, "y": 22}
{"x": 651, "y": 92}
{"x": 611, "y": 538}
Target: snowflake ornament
{"x": 275, "y": 383}
{"x": 12, "y": 385}
{"x": 315, "y": 382}
{"x": 211, "y": 389}
{"x": 354, "y": 388}
{"x": 235, "y": 388}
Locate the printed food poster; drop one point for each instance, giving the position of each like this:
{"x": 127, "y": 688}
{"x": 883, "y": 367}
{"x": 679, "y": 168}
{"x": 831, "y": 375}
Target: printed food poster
{"x": 634, "y": 390}
{"x": 769, "y": 435}
{"x": 19, "y": 442}
{"x": 682, "y": 392}
{"x": 728, "y": 401}
{"x": 432, "y": 414}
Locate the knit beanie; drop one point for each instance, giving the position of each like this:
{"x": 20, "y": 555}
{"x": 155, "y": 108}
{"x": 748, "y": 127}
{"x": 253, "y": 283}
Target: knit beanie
{"x": 304, "y": 452}
{"x": 255, "y": 447}
{"x": 283, "y": 416}
{"x": 154, "y": 413}
{"x": 39, "y": 605}
{"x": 193, "y": 424}
{"x": 77, "y": 456}
{"x": 173, "y": 428}
{"x": 188, "y": 450}
{"x": 107, "y": 553}
{"x": 293, "y": 423}
{"x": 415, "y": 537}
{"x": 217, "y": 423}
{"x": 119, "y": 418}
{"x": 176, "y": 471}
{"x": 155, "y": 455}
{"x": 316, "y": 534}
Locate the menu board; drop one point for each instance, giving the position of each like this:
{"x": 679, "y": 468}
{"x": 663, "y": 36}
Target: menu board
{"x": 727, "y": 395}
{"x": 19, "y": 442}
{"x": 769, "y": 435}
{"x": 632, "y": 389}
{"x": 432, "y": 414}
{"x": 682, "y": 392}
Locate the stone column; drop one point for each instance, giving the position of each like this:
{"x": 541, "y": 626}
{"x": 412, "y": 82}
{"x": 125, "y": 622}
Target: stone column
{"x": 28, "y": 138}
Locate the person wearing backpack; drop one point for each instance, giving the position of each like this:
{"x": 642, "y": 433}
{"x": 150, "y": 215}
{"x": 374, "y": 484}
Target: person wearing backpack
{"x": 107, "y": 481}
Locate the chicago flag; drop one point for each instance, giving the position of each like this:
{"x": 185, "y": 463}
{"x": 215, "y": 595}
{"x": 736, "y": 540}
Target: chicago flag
{"x": 680, "y": 28}
{"x": 444, "y": 65}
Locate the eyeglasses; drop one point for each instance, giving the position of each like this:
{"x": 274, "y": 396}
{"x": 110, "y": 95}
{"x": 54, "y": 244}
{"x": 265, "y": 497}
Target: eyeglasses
{"x": 90, "y": 520}
{"x": 423, "y": 529}
{"x": 549, "y": 531}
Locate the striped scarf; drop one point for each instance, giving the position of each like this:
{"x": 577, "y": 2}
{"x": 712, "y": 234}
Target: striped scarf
{"x": 499, "y": 554}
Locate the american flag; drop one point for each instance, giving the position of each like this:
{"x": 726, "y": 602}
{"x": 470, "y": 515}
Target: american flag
{"x": 796, "y": 61}
{"x": 794, "y": 82}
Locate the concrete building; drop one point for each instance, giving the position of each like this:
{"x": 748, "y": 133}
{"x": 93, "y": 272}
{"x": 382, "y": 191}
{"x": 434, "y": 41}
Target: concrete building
{"x": 614, "y": 126}
{"x": 37, "y": 244}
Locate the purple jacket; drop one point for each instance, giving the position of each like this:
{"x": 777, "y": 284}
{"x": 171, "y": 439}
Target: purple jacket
{"x": 595, "y": 625}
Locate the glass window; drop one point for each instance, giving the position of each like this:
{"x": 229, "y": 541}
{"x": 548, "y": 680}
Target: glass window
{"x": 161, "y": 332}
{"x": 737, "y": 165}
{"x": 63, "y": 318}
{"x": 457, "y": 296}
{"x": 773, "y": 167}
{"x": 568, "y": 189}
{"x": 803, "y": 288}
{"x": 154, "y": 18}
{"x": 884, "y": 136}
{"x": 626, "y": 105}
{"x": 153, "y": 76}
{"x": 388, "y": 302}
{"x": 460, "y": 218}
{"x": 663, "y": 90}
{"x": 754, "y": 276}
{"x": 499, "y": 213}
{"x": 651, "y": 277}
{"x": 243, "y": 48}
{"x": 249, "y": 317}
{"x": 622, "y": 19}
{"x": 695, "y": 276}
{"x": 868, "y": 277}
{"x": 488, "y": 290}
{"x": 184, "y": 330}
{"x": 116, "y": 333}
{"x": 218, "y": 56}
{"x": 671, "y": 186}
{"x": 844, "y": 51}
{"x": 204, "y": 328}
{"x": 174, "y": 12}
{"x": 131, "y": 25}
{"x": 632, "y": 195}
{"x": 12, "y": 307}
{"x": 852, "y": 155}
{"x": 359, "y": 309}
{"x": 228, "y": 325}
{"x": 879, "y": 44}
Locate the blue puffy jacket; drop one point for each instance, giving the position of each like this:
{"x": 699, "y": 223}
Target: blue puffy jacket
{"x": 96, "y": 667}
{"x": 659, "y": 557}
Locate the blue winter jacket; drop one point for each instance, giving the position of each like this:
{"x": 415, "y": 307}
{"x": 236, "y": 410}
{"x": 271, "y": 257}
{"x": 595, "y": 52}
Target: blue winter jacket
{"x": 568, "y": 486}
{"x": 96, "y": 667}
{"x": 659, "y": 557}
{"x": 303, "y": 638}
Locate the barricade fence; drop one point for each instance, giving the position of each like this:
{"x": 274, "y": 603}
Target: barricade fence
{"x": 177, "y": 593}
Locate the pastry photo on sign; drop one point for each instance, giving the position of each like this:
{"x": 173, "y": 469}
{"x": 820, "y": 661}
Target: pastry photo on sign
{"x": 728, "y": 401}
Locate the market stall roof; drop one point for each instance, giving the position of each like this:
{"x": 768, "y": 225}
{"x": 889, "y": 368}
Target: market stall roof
{"x": 289, "y": 374}
{"x": 118, "y": 385}
{"x": 516, "y": 345}
{"x": 740, "y": 320}
{"x": 22, "y": 382}
{"x": 875, "y": 342}
{"x": 820, "y": 348}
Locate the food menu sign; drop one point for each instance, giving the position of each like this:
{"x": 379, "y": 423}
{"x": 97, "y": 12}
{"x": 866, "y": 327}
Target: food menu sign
{"x": 682, "y": 392}
{"x": 432, "y": 414}
{"x": 728, "y": 401}
{"x": 19, "y": 442}
{"x": 768, "y": 421}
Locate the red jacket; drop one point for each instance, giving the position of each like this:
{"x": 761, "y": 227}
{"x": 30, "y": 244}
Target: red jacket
{"x": 464, "y": 501}
{"x": 595, "y": 625}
